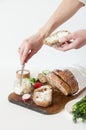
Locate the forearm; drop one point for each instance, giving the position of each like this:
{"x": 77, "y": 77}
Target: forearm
{"x": 66, "y": 9}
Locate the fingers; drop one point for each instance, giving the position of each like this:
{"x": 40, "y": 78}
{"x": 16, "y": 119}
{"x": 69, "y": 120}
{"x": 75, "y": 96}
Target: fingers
{"x": 24, "y": 55}
{"x": 20, "y": 50}
{"x": 68, "y": 43}
{"x": 24, "y": 51}
{"x": 64, "y": 47}
{"x": 68, "y": 46}
{"x": 30, "y": 55}
{"x": 67, "y": 38}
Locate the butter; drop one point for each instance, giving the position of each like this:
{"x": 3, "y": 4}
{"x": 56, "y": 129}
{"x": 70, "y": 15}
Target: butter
{"x": 25, "y": 88}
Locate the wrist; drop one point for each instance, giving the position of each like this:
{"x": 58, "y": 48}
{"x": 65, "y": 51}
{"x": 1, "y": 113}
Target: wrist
{"x": 42, "y": 33}
{"x": 45, "y": 31}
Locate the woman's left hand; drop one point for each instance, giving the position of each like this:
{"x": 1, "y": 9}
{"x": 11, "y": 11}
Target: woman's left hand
{"x": 74, "y": 40}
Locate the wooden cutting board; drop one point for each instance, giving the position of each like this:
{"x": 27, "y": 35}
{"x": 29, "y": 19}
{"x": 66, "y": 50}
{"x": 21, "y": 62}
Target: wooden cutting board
{"x": 59, "y": 101}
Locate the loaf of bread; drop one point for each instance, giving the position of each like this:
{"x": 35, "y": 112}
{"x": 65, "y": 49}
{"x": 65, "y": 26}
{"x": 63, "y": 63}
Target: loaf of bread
{"x": 43, "y": 96}
{"x": 68, "y": 77}
{"x": 54, "y": 39}
{"x": 56, "y": 82}
{"x": 63, "y": 80}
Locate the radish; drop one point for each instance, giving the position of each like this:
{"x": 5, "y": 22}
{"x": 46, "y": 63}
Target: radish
{"x": 26, "y": 97}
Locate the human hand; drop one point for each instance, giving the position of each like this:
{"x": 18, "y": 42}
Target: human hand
{"x": 29, "y": 47}
{"x": 74, "y": 40}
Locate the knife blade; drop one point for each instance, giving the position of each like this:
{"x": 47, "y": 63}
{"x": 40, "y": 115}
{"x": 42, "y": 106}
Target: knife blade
{"x": 21, "y": 76}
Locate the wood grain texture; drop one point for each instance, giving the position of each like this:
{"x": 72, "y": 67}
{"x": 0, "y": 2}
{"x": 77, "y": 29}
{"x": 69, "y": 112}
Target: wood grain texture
{"x": 58, "y": 104}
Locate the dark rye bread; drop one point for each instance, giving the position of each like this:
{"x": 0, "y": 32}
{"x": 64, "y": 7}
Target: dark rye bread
{"x": 69, "y": 78}
{"x": 57, "y": 82}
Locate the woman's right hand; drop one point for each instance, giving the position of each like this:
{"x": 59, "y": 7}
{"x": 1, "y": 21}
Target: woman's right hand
{"x": 29, "y": 47}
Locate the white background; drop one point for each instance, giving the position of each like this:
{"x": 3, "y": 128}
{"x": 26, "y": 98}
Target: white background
{"x": 20, "y": 19}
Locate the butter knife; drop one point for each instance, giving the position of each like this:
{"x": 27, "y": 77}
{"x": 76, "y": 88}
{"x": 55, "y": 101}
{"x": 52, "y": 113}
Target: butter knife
{"x": 21, "y": 76}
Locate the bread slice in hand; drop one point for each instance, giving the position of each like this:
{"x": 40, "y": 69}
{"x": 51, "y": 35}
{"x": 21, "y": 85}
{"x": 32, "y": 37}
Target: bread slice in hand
{"x": 43, "y": 96}
{"x": 54, "y": 39}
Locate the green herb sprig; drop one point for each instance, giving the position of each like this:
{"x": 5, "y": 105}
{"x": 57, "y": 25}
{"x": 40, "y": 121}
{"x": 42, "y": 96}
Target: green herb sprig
{"x": 79, "y": 110}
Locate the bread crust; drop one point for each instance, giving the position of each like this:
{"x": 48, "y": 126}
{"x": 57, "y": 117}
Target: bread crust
{"x": 57, "y": 82}
{"x": 41, "y": 99}
{"x": 69, "y": 78}
{"x": 42, "y": 78}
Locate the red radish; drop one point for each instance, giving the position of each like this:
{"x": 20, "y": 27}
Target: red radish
{"x": 26, "y": 97}
{"x": 37, "y": 85}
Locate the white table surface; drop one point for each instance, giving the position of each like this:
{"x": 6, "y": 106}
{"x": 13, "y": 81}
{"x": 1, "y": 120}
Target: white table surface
{"x": 18, "y": 20}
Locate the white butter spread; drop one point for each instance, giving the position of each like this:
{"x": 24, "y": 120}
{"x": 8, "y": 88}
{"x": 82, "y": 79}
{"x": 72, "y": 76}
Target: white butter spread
{"x": 55, "y": 38}
{"x": 44, "y": 96}
{"x": 25, "y": 88}
{"x": 24, "y": 72}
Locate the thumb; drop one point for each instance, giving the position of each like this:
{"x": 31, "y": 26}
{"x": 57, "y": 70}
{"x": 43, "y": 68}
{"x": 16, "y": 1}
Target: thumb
{"x": 67, "y": 38}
